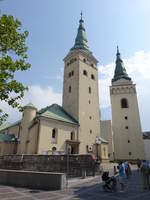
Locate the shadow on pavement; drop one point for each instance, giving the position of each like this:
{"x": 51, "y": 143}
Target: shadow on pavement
{"x": 95, "y": 191}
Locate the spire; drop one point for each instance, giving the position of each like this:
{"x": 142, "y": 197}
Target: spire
{"x": 118, "y": 50}
{"x": 81, "y": 41}
{"x": 120, "y": 71}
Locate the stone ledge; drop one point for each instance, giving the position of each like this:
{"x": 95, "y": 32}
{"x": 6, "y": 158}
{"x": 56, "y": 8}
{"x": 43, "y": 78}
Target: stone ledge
{"x": 32, "y": 179}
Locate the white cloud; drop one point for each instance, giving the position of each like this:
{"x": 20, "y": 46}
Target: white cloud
{"x": 138, "y": 68}
{"x": 59, "y": 76}
{"x": 40, "y": 97}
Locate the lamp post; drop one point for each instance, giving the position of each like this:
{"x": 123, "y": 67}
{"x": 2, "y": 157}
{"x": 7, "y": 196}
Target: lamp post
{"x": 68, "y": 153}
{"x": 97, "y": 142}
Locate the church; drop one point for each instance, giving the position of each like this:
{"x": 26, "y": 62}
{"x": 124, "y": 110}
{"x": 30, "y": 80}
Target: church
{"x": 75, "y": 127}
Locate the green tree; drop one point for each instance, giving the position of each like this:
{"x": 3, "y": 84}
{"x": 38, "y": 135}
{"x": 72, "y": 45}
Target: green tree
{"x": 13, "y": 58}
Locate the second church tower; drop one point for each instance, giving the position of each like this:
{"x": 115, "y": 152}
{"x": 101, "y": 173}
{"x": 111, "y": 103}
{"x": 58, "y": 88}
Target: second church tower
{"x": 126, "y": 125}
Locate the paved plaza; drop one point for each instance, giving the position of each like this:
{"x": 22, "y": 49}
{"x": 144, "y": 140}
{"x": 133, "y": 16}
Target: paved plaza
{"x": 85, "y": 189}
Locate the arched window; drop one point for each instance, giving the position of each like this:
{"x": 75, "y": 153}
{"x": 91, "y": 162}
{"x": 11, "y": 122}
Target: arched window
{"x": 90, "y": 90}
{"x": 92, "y": 77}
{"x": 87, "y": 148}
{"x": 85, "y": 72}
{"x": 124, "y": 103}
{"x": 54, "y": 133}
{"x": 84, "y": 60}
{"x": 54, "y": 136}
{"x": 72, "y": 136}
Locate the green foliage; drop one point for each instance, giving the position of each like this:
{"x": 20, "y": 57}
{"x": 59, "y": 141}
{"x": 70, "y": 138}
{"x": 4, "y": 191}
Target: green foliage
{"x": 13, "y": 56}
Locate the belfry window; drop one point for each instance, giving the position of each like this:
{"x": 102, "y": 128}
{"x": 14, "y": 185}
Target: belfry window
{"x": 92, "y": 65}
{"x": 124, "y": 103}
{"x": 69, "y": 75}
{"x": 92, "y": 77}
{"x": 69, "y": 89}
{"x": 85, "y": 72}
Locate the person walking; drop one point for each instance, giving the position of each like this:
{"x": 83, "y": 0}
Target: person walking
{"x": 127, "y": 169}
{"x": 115, "y": 170}
{"x": 138, "y": 162}
{"x": 122, "y": 176}
{"x": 145, "y": 172}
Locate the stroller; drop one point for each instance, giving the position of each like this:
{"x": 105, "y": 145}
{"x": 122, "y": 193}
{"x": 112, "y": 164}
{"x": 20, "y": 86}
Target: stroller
{"x": 110, "y": 183}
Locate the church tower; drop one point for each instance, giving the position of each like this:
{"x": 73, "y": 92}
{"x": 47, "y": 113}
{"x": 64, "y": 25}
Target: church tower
{"x": 126, "y": 126}
{"x": 80, "y": 90}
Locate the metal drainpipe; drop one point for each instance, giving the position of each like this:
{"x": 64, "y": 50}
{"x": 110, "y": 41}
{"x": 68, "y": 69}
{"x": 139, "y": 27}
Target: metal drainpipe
{"x": 38, "y": 132}
{"x": 78, "y": 137}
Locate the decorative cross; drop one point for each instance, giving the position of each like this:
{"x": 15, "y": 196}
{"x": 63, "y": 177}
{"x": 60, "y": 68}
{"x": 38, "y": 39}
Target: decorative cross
{"x": 81, "y": 14}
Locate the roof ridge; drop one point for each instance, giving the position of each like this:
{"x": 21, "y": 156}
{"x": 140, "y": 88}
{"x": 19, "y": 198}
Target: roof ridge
{"x": 57, "y": 111}
{"x": 42, "y": 110}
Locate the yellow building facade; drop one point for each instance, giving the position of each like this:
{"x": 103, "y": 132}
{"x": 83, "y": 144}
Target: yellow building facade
{"x": 75, "y": 127}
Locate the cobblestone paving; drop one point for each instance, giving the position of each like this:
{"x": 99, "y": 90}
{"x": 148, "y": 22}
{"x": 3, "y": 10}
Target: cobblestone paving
{"x": 84, "y": 189}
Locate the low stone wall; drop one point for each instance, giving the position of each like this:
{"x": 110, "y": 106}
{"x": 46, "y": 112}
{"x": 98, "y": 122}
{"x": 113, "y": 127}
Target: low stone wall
{"x": 73, "y": 165}
{"x": 33, "y": 180}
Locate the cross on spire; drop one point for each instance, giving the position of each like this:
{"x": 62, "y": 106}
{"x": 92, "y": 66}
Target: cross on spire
{"x": 118, "y": 50}
{"x": 81, "y": 14}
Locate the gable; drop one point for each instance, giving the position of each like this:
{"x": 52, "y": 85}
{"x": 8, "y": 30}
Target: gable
{"x": 56, "y": 112}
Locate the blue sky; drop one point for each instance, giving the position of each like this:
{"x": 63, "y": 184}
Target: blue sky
{"x": 52, "y": 26}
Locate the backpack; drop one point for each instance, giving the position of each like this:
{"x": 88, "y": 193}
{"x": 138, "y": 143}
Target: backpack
{"x": 145, "y": 169}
